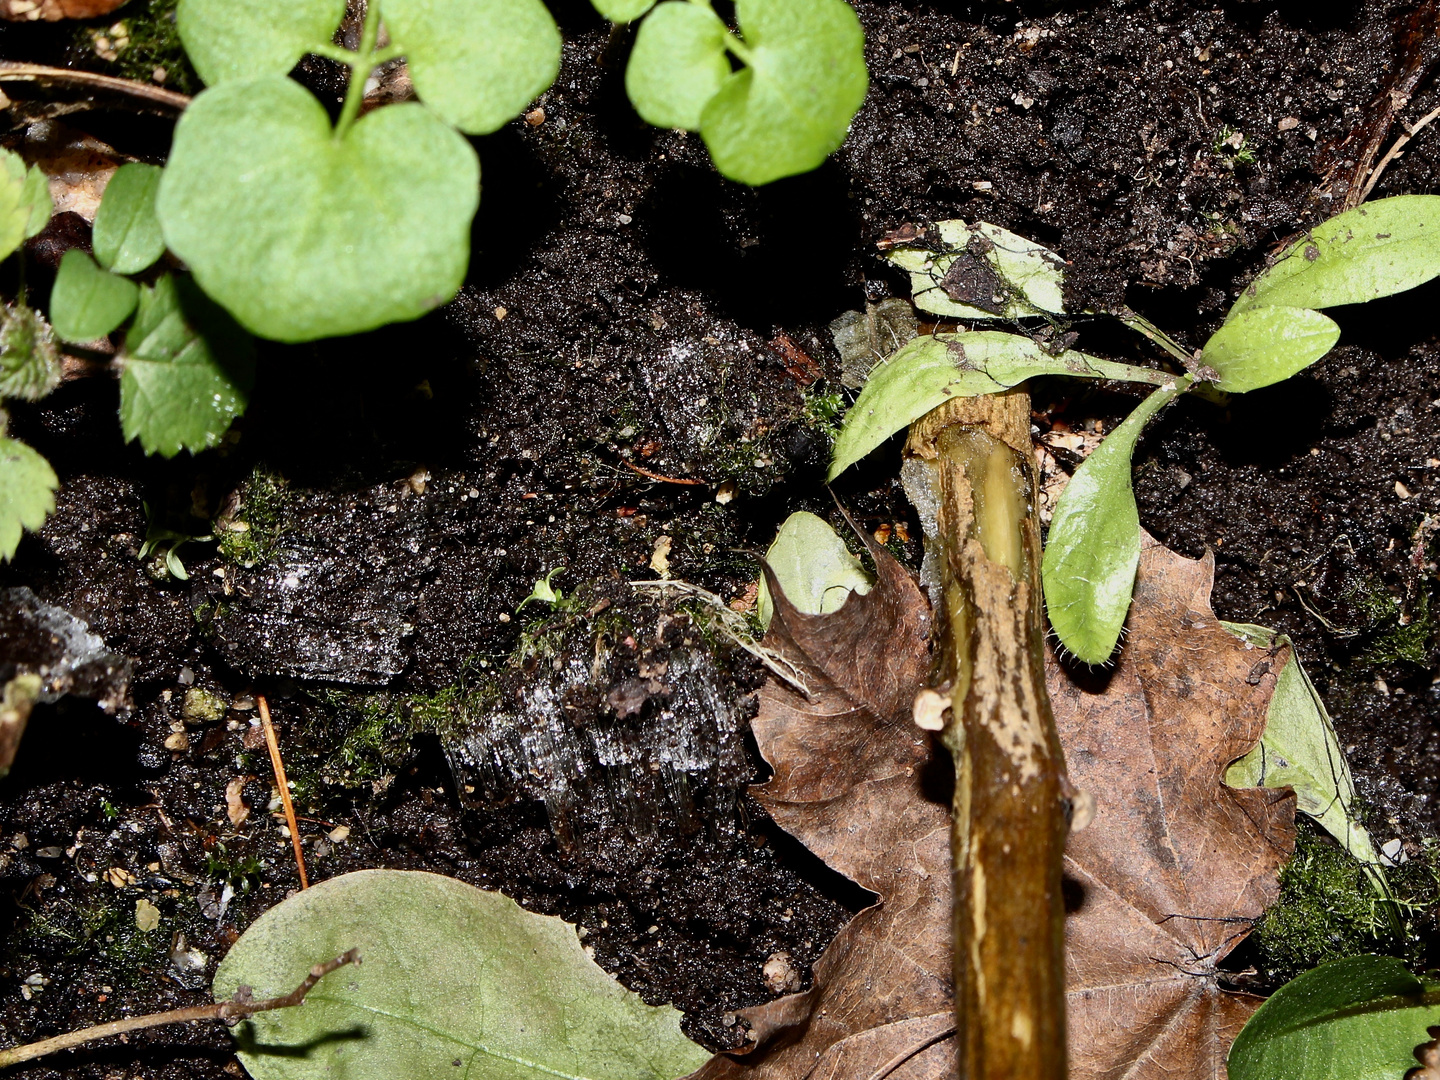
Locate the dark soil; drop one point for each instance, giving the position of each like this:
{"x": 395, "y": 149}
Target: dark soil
{"x": 404, "y": 491}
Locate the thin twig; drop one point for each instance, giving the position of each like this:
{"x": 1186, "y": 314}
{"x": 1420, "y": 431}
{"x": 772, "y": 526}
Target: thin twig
{"x": 663, "y": 479}
{"x": 229, "y": 1012}
{"x": 11, "y": 71}
{"x": 1394, "y": 151}
{"x": 284, "y": 785}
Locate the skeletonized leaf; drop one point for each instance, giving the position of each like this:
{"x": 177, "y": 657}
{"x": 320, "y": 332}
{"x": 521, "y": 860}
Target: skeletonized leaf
{"x": 1360, "y": 1018}
{"x": 188, "y": 370}
{"x": 87, "y": 302}
{"x": 678, "y": 64}
{"x": 301, "y": 236}
{"x": 29, "y": 361}
{"x": 244, "y": 39}
{"x": 1375, "y": 250}
{"x": 27, "y": 492}
{"x": 812, "y": 566}
{"x": 982, "y": 272}
{"x": 1265, "y": 345}
{"x": 127, "y": 236}
{"x": 1094, "y": 542}
{"x": 622, "y": 11}
{"x": 477, "y": 63}
{"x": 934, "y": 368}
{"x": 449, "y": 973}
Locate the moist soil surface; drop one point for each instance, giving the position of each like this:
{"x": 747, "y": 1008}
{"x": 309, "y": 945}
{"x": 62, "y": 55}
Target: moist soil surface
{"x": 639, "y": 370}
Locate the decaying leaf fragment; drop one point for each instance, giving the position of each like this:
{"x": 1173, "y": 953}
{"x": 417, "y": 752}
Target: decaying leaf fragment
{"x": 55, "y": 10}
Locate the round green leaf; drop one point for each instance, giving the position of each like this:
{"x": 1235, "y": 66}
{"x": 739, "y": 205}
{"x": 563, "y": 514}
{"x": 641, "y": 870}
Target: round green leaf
{"x": 242, "y": 39}
{"x": 86, "y": 302}
{"x": 14, "y": 206}
{"x": 301, "y": 235}
{"x": 477, "y": 63}
{"x": 815, "y": 569}
{"x": 35, "y": 194}
{"x": 622, "y": 11}
{"x": 27, "y": 492}
{"x": 127, "y": 235}
{"x": 678, "y": 64}
{"x": 448, "y": 973}
{"x": 1266, "y": 345}
{"x": 1093, "y": 548}
{"x": 792, "y": 103}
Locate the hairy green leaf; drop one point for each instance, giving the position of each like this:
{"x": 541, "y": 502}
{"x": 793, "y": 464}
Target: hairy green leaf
{"x": 791, "y": 104}
{"x": 1358, "y": 1019}
{"x": 449, "y": 973}
{"x": 35, "y": 196}
{"x": 243, "y": 39}
{"x": 300, "y": 235}
{"x": 1267, "y": 345}
{"x": 86, "y": 302}
{"x": 27, "y": 492}
{"x": 1375, "y": 250}
{"x": 933, "y": 368}
{"x": 813, "y": 566}
{"x": 982, "y": 272}
{"x": 477, "y": 63}
{"x": 127, "y": 236}
{"x": 1094, "y": 544}
{"x": 188, "y": 370}
{"x": 29, "y": 360}
{"x": 622, "y": 11}
{"x": 678, "y": 64}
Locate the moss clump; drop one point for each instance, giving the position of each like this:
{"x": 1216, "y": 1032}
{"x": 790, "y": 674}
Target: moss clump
{"x": 249, "y": 532}
{"x": 824, "y": 411}
{"x": 137, "y": 42}
{"x": 1394, "y": 639}
{"x": 203, "y": 706}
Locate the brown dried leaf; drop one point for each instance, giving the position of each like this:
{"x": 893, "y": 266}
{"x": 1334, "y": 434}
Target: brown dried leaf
{"x": 1166, "y": 881}
{"x": 55, "y": 10}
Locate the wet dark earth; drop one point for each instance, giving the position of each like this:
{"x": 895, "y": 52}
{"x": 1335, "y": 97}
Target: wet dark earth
{"x": 640, "y": 375}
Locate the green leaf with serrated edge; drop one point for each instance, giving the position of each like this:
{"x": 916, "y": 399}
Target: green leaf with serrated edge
{"x": 87, "y": 302}
{"x": 1375, "y": 250}
{"x": 1015, "y": 277}
{"x": 127, "y": 236}
{"x": 1267, "y": 345}
{"x": 1094, "y": 544}
{"x": 622, "y": 11}
{"x": 449, "y": 973}
{"x": 1358, "y": 1019}
{"x": 35, "y": 195}
{"x": 791, "y": 104}
{"x": 677, "y": 65}
{"x": 813, "y": 566}
{"x": 931, "y": 369}
{"x": 243, "y": 39}
{"x": 27, "y": 492}
{"x": 302, "y": 236}
{"x": 29, "y": 360}
{"x": 187, "y": 371}
{"x": 477, "y": 63}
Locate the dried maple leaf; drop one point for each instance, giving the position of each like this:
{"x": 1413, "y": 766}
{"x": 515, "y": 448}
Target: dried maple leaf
{"x": 1166, "y": 881}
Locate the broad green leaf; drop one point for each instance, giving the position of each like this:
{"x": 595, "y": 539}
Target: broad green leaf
{"x": 1267, "y": 345}
{"x": 302, "y": 236}
{"x": 1375, "y": 250}
{"x": 35, "y": 196}
{"x": 678, "y": 64}
{"x": 187, "y": 371}
{"x": 815, "y": 570}
{"x": 1001, "y": 274}
{"x": 1354, "y": 1019}
{"x": 14, "y": 204}
{"x": 86, "y": 302}
{"x": 127, "y": 236}
{"x": 243, "y": 39}
{"x": 622, "y": 11}
{"x": 477, "y": 63}
{"x": 934, "y": 368}
{"x": 29, "y": 361}
{"x": 1094, "y": 542}
{"x": 449, "y": 973}
{"x": 27, "y": 492}
{"x": 791, "y": 104}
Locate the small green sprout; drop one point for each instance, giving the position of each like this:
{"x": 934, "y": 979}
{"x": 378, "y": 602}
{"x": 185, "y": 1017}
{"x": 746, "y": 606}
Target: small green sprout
{"x": 162, "y": 548}
{"x": 1232, "y": 145}
{"x": 543, "y": 591}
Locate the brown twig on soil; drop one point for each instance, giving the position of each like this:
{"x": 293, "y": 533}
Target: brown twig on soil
{"x": 11, "y": 71}
{"x": 663, "y": 479}
{"x": 230, "y": 1012}
{"x": 284, "y": 785}
{"x": 1394, "y": 151}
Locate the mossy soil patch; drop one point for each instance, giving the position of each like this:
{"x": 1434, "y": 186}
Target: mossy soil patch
{"x": 389, "y": 500}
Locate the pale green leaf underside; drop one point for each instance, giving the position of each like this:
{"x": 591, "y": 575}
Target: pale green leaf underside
{"x": 1375, "y": 250}
{"x": 622, "y": 11}
{"x": 1012, "y": 277}
{"x": 449, "y": 973}
{"x": 1093, "y": 547}
{"x": 301, "y": 236}
{"x": 1266, "y": 345}
{"x": 127, "y": 236}
{"x": 678, "y": 64}
{"x": 1358, "y": 1019}
{"x": 932, "y": 369}
{"x": 815, "y": 570}
{"x": 87, "y": 302}
{"x": 27, "y": 493}
{"x": 477, "y": 63}
{"x": 244, "y": 39}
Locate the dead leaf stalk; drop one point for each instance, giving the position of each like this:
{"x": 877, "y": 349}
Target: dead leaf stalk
{"x": 283, "y": 784}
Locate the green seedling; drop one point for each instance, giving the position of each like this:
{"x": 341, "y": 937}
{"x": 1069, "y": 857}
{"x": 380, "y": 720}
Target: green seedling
{"x": 162, "y": 547}
{"x": 543, "y": 591}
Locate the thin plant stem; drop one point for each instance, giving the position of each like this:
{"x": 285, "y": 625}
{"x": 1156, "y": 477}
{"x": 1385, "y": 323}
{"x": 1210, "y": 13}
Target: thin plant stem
{"x": 361, "y": 66}
{"x": 273, "y": 744}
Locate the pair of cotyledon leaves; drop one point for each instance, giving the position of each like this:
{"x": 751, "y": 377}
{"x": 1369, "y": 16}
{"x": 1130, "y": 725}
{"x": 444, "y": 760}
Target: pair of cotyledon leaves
{"x": 1273, "y": 331}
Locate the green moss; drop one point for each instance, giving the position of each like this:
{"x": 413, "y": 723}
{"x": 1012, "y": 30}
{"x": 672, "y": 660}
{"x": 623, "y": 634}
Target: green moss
{"x": 249, "y": 534}
{"x": 1397, "y": 640}
{"x": 824, "y": 411}
{"x": 203, "y": 706}
{"x": 143, "y": 37}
